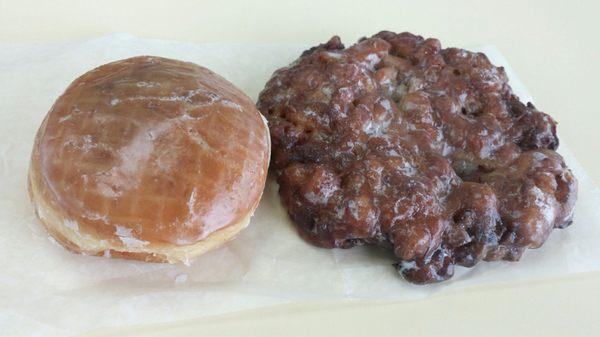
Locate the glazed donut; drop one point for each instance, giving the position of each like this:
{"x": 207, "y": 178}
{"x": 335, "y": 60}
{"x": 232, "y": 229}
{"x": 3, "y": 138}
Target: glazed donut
{"x": 149, "y": 158}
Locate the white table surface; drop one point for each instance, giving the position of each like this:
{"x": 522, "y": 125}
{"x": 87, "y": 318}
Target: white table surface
{"x": 553, "y": 47}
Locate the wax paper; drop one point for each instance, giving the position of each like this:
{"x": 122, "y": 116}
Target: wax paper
{"x": 46, "y": 290}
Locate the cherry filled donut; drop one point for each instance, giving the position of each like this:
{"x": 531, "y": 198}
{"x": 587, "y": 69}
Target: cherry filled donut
{"x": 149, "y": 158}
{"x": 396, "y": 141}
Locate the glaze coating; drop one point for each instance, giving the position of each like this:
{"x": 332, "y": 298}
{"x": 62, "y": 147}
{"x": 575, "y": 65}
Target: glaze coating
{"x": 150, "y": 151}
{"x": 399, "y": 142}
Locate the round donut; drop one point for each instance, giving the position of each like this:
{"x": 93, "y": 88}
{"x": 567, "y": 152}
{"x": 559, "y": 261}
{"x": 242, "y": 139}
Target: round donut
{"x": 149, "y": 158}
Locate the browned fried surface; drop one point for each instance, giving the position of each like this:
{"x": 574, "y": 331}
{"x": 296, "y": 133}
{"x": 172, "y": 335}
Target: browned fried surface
{"x": 148, "y": 152}
{"x": 398, "y": 142}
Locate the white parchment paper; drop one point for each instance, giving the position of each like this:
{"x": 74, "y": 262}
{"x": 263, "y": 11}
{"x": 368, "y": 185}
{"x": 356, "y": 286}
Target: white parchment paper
{"x": 45, "y": 290}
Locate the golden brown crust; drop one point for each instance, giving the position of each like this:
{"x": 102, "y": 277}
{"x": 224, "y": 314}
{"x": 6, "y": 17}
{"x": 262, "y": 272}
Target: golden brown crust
{"x": 150, "y": 159}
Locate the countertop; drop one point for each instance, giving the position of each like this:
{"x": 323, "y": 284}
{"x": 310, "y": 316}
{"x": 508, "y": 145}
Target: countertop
{"x": 552, "y": 46}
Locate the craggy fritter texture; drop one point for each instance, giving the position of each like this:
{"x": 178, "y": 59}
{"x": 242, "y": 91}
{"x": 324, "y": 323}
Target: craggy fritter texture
{"x": 397, "y": 142}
